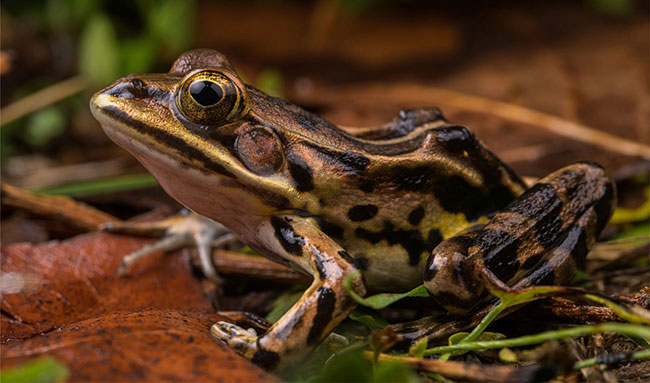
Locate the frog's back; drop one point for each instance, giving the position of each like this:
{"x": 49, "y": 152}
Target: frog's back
{"x": 392, "y": 194}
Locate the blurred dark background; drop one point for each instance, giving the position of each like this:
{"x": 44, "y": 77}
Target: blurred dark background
{"x": 586, "y": 61}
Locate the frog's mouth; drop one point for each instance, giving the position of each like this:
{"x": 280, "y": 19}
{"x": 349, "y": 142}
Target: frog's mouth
{"x": 157, "y": 135}
{"x": 120, "y": 128}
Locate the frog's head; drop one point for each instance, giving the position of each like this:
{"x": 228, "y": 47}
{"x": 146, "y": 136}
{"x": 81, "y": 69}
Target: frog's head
{"x": 212, "y": 142}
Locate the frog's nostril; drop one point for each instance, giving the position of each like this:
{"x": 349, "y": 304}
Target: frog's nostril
{"x": 139, "y": 88}
{"x": 134, "y": 88}
{"x": 137, "y": 83}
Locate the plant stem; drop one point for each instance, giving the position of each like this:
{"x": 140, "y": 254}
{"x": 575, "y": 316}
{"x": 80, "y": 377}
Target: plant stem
{"x": 621, "y": 328}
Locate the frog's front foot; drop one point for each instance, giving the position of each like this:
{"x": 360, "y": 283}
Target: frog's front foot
{"x": 241, "y": 340}
{"x": 175, "y": 232}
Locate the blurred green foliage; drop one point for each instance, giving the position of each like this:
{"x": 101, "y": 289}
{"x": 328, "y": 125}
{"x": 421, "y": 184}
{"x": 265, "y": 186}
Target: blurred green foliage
{"x": 102, "y": 186}
{"x": 371, "y": 318}
{"x": 354, "y": 367}
{"x": 612, "y": 7}
{"x": 270, "y": 81}
{"x": 283, "y": 303}
{"x": 164, "y": 30}
{"x": 107, "y": 39}
{"x": 44, "y": 125}
{"x": 46, "y": 369}
{"x": 99, "y": 58}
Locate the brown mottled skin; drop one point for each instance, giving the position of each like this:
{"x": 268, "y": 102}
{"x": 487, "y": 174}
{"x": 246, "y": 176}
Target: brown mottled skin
{"x": 417, "y": 195}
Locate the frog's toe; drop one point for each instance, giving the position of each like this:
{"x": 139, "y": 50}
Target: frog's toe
{"x": 241, "y": 340}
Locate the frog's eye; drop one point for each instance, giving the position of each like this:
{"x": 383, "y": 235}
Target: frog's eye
{"x": 211, "y": 97}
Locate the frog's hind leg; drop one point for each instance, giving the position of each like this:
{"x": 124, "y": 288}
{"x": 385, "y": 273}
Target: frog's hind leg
{"x": 566, "y": 259}
{"x": 540, "y": 238}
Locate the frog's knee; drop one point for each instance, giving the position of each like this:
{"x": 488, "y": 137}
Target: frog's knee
{"x": 451, "y": 277}
{"x": 358, "y": 284}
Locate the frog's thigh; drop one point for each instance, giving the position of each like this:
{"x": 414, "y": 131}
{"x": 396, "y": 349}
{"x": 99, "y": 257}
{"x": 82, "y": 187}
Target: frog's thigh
{"x": 323, "y": 306}
{"x": 553, "y": 224}
{"x": 567, "y": 258}
{"x": 519, "y": 239}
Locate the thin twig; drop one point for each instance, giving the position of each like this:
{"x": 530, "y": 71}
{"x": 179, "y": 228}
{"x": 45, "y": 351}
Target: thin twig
{"x": 232, "y": 263}
{"x": 59, "y": 175}
{"x": 557, "y": 125}
{"x": 41, "y": 99}
{"x": 61, "y": 207}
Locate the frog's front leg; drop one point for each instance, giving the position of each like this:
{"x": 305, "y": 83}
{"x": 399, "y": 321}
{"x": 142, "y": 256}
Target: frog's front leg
{"x": 540, "y": 238}
{"x": 321, "y": 308}
{"x": 182, "y": 230}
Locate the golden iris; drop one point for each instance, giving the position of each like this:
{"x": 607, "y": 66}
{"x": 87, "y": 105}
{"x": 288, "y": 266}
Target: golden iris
{"x": 211, "y": 97}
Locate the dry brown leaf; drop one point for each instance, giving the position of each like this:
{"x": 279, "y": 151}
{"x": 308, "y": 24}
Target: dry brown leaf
{"x": 66, "y": 300}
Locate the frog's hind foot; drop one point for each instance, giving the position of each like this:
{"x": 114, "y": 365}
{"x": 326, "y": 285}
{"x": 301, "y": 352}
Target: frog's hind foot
{"x": 178, "y": 231}
{"x": 239, "y": 339}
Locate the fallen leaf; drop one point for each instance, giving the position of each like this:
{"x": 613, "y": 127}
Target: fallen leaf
{"x": 64, "y": 299}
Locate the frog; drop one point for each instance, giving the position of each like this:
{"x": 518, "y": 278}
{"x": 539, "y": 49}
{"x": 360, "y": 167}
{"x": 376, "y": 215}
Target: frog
{"x": 416, "y": 200}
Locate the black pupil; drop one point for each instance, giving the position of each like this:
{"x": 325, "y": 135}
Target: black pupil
{"x": 206, "y": 93}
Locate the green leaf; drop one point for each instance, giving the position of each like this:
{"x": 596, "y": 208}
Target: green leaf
{"x": 580, "y": 277}
{"x": 42, "y": 370}
{"x": 370, "y": 319}
{"x": 99, "y": 56}
{"x": 283, "y": 304}
{"x": 354, "y": 367}
{"x": 417, "y": 351}
{"x": 380, "y": 301}
{"x": 80, "y": 189}
{"x": 346, "y": 367}
{"x": 487, "y": 336}
{"x": 43, "y": 126}
{"x": 507, "y": 355}
{"x": 394, "y": 371}
{"x": 457, "y": 337}
{"x": 640, "y": 341}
